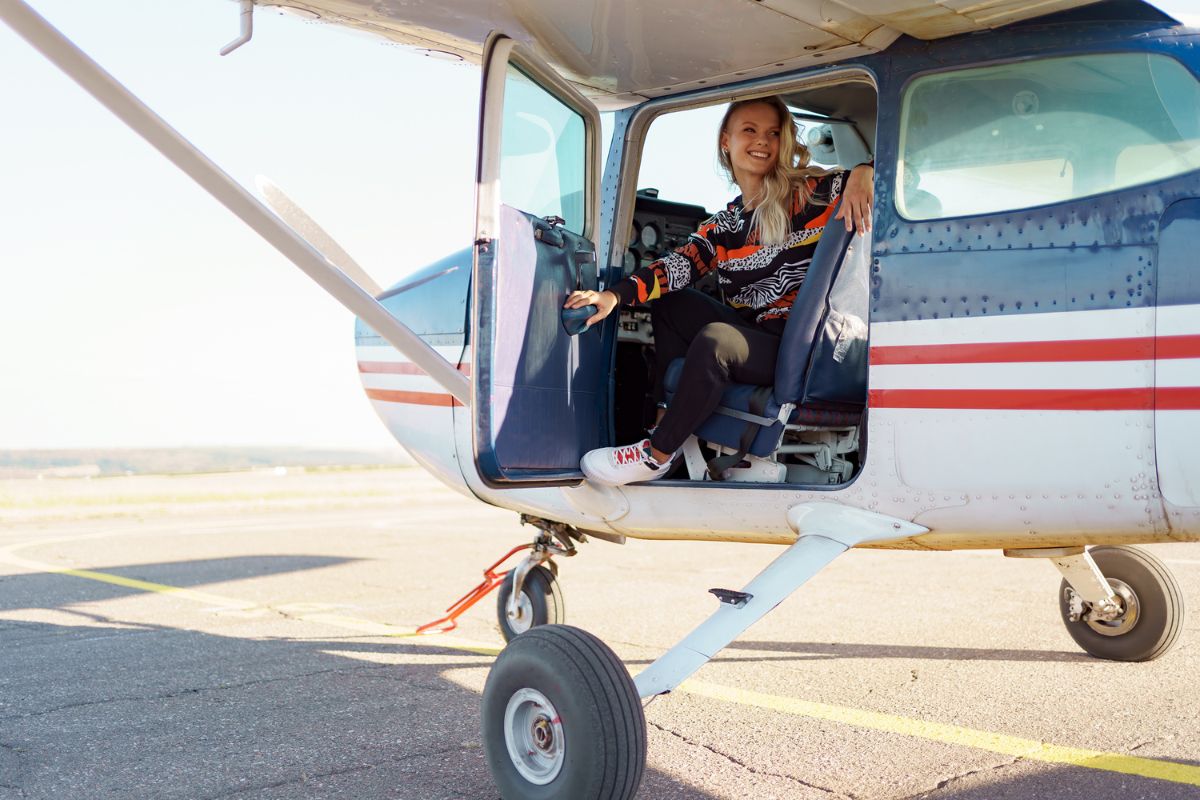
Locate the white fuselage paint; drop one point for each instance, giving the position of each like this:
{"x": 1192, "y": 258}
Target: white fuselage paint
{"x": 1177, "y": 431}
{"x": 978, "y": 477}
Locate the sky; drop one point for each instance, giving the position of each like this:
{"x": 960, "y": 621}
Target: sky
{"x": 138, "y": 312}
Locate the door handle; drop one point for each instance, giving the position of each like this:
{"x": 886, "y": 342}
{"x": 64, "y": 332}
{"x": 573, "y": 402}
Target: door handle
{"x": 574, "y": 320}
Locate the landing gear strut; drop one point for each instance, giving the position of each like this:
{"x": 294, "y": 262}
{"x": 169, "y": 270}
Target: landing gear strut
{"x": 1118, "y": 602}
{"x": 1144, "y": 616}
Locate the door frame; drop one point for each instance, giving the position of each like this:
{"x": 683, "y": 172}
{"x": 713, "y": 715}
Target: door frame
{"x": 499, "y": 52}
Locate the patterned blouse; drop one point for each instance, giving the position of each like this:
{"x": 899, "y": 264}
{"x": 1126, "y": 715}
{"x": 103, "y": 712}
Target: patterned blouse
{"x": 759, "y": 280}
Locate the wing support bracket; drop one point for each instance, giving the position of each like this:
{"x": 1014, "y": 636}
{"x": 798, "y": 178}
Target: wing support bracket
{"x": 179, "y": 151}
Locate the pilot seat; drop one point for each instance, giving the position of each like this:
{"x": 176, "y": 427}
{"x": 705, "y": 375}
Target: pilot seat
{"x": 805, "y": 428}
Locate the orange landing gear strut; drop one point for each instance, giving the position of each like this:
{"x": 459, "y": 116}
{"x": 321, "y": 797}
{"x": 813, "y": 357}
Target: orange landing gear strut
{"x": 491, "y": 579}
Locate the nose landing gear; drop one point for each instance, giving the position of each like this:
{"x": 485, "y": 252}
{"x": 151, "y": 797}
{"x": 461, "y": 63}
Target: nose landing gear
{"x": 540, "y": 601}
{"x": 529, "y": 592}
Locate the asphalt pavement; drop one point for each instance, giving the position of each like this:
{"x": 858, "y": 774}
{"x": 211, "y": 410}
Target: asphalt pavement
{"x": 249, "y": 636}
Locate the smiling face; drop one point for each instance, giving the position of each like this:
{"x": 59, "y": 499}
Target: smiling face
{"x": 752, "y": 138}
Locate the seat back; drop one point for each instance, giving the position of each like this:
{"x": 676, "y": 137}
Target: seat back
{"x": 808, "y": 312}
{"x": 837, "y": 362}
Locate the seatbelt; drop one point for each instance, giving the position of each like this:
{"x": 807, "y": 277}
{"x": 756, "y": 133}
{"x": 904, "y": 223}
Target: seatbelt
{"x": 758, "y": 406}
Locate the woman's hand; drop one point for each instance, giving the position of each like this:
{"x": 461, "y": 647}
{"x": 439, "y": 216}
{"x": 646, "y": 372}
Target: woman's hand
{"x": 858, "y": 198}
{"x": 604, "y": 302}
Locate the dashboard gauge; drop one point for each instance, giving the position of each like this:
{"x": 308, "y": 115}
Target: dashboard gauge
{"x": 649, "y": 236}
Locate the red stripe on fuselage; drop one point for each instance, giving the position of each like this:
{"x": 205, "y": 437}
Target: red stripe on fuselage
{"x": 1141, "y": 348}
{"x": 1177, "y": 398}
{"x": 399, "y": 368}
{"x": 1137, "y": 399}
{"x": 1164, "y": 398}
{"x": 1177, "y": 347}
{"x": 413, "y": 398}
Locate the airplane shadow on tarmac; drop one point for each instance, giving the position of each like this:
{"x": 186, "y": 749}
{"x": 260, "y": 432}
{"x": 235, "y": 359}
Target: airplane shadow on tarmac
{"x": 95, "y": 706}
{"x": 1059, "y": 783}
{"x": 54, "y": 590}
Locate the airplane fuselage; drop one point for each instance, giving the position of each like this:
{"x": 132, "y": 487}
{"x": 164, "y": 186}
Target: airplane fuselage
{"x": 1034, "y": 374}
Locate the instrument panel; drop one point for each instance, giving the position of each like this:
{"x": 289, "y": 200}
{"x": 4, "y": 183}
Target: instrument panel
{"x": 659, "y": 226}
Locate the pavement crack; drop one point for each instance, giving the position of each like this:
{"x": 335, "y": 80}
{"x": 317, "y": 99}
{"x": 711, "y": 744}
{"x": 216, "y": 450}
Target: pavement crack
{"x": 1151, "y": 741}
{"x": 942, "y": 784}
{"x": 749, "y": 767}
{"x": 306, "y": 777}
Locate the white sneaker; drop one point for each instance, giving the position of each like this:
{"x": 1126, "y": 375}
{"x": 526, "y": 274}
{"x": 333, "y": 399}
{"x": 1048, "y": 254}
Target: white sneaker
{"x": 617, "y": 466}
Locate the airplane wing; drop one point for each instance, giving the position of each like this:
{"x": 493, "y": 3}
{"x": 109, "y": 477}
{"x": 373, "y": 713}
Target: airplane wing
{"x": 619, "y": 52}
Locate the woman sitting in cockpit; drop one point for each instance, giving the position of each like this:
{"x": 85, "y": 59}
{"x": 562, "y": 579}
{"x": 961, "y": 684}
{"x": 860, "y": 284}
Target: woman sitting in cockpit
{"x": 760, "y": 246}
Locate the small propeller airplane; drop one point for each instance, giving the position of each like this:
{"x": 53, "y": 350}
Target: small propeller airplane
{"x": 1011, "y": 361}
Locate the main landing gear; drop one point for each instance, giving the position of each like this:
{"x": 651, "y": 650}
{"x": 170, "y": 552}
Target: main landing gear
{"x": 562, "y": 719}
{"x": 1118, "y": 603}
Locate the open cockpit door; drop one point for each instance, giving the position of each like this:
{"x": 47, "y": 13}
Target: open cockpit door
{"x": 539, "y": 395}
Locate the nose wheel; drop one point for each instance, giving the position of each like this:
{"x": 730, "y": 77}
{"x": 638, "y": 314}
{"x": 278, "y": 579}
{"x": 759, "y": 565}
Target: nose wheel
{"x": 540, "y": 602}
{"x": 562, "y": 719}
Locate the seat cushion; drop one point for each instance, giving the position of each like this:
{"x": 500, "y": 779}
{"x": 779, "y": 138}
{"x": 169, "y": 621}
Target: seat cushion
{"x": 727, "y": 431}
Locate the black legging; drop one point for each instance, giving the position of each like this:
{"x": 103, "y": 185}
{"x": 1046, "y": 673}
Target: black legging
{"x": 720, "y": 348}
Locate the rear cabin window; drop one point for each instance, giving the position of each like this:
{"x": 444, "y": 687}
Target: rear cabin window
{"x": 1014, "y": 136}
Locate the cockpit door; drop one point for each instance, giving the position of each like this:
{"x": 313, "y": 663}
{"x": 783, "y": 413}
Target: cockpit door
{"x": 538, "y": 394}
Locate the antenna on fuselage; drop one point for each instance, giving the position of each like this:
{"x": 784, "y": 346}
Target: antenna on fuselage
{"x": 247, "y": 28}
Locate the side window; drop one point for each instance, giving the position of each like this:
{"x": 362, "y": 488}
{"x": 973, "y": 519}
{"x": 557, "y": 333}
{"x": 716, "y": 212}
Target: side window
{"x": 1014, "y": 136}
{"x": 543, "y": 153}
{"x": 680, "y": 155}
{"x": 680, "y": 159}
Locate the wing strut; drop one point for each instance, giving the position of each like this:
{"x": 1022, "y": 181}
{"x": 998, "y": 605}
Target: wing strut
{"x": 134, "y": 113}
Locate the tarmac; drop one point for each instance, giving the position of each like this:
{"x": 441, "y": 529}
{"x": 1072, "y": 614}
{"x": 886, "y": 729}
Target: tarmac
{"x": 251, "y": 636}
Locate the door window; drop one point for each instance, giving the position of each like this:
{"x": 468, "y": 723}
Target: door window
{"x": 1030, "y": 133}
{"x": 543, "y": 153}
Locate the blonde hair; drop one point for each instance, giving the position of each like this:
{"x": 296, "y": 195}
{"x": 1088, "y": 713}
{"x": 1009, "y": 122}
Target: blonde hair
{"x": 772, "y": 216}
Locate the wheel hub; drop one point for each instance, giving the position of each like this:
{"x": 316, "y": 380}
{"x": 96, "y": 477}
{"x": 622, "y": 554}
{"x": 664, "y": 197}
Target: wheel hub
{"x": 533, "y": 735}
{"x": 1123, "y": 622}
{"x": 523, "y": 619}
{"x": 1119, "y": 623}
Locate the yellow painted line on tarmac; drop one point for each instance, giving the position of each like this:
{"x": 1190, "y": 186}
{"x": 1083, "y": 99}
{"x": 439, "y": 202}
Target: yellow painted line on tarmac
{"x": 1030, "y": 749}
{"x": 1004, "y": 744}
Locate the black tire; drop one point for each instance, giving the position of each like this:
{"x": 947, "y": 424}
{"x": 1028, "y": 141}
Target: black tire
{"x": 1159, "y": 618}
{"x": 545, "y": 601}
{"x": 603, "y": 730}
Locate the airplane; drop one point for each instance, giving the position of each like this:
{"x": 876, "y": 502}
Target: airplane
{"x": 1010, "y": 361}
